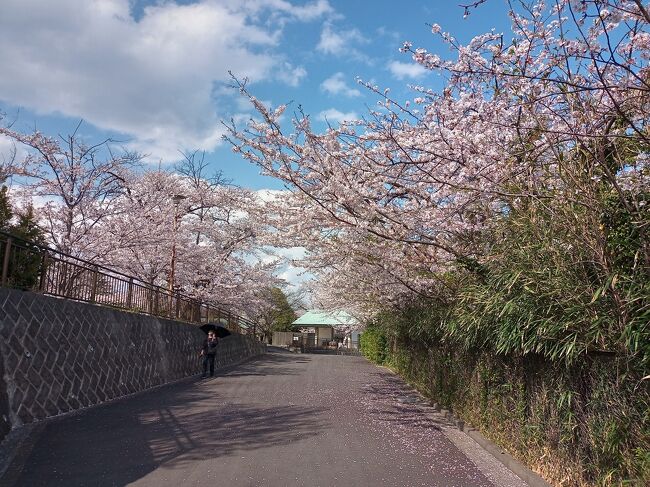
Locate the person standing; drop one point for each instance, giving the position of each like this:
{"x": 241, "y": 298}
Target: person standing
{"x": 209, "y": 353}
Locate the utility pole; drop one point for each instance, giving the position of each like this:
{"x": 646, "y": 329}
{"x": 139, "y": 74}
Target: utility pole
{"x": 177, "y": 198}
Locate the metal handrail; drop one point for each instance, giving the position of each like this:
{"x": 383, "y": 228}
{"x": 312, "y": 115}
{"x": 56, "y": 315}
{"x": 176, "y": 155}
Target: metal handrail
{"x": 35, "y": 267}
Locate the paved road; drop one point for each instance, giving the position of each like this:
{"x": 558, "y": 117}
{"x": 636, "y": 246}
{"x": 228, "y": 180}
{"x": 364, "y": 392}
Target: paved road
{"x": 279, "y": 420}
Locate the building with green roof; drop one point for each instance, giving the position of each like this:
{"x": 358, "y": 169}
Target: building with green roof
{"x": 324, "y": 318}
{"x": 323, "y": 324}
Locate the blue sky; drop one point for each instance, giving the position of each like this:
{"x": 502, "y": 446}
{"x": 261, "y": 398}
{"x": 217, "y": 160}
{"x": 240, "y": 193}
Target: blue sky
{"x": 154, "y": 74}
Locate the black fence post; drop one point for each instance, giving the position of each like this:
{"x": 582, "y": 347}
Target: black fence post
{"x": 93, "y": 289}
{"x": 5, "y": 262}
{"x": 62, "y": 288}
{"x": 197, "y": 312}
{"x": 42, "y": 284}
{"x": 129, "y": 294}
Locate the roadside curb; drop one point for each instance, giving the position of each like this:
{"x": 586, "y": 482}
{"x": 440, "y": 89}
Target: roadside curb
{"x": 511, "y": 463}
{"x": 521, "y": 470}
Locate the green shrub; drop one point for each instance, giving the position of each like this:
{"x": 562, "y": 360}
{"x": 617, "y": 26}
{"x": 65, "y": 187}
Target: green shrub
{"x": 580, "y": 424}
{"x": 374, "y": 345}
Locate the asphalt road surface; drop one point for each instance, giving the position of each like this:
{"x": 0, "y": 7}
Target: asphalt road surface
{"x": 279, "y": 420}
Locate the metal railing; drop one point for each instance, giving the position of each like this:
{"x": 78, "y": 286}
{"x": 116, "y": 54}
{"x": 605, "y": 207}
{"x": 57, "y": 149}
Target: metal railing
{"x": 30, "y": 266}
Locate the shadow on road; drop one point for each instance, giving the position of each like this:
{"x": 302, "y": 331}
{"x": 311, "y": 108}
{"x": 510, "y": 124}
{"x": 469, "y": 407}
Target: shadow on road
{"x": 277, "y": 362}
{"x": 176, "y": 425}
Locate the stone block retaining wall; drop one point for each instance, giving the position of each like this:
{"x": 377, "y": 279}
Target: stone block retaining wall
{"x": 58, "y": 355}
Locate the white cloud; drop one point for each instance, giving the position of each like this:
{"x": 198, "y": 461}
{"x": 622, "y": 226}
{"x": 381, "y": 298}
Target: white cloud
{"x": 295, "y": 276}
{"x": 406, "y": 70}
{"x": 266, "y": 195}
{"x": 341, "y": 42}
{"x": 290, "y": 75}
{"x": 282, "y": 10}
{"x": 10, "y": 153}
{"x": 334, "y": 115}
{"x": 394, "y": 36}
{"x": 336, "y": 85}
{"x": 152, "y": 78}
{"x": 291, "y": 253}
{"x": 306, "y": 12}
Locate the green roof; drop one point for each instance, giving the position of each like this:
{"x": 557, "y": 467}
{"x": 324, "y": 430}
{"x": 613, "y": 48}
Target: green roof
{"x": 324, "y": 318}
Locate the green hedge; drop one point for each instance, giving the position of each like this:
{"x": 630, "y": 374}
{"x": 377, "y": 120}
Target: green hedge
{"x": 374, "y": 344}
{"x": 580, "y": 424}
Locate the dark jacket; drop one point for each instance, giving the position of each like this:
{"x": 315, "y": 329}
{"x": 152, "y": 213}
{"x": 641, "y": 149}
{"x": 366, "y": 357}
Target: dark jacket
{"x": 210, "y": 346}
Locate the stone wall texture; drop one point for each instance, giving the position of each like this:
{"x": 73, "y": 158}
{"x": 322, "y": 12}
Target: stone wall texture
{"x": 57, "y": 355}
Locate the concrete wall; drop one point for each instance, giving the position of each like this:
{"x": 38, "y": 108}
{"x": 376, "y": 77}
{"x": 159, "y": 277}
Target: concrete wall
{"x": 283, "y": 338}
{"x": 58, "y": 355}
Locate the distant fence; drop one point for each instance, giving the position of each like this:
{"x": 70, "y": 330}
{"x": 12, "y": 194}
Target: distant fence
{"x": 30, "y": 266}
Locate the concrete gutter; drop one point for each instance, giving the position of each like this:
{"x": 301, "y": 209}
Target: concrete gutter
{"x": 514, "y": 465}
{"x": 522, "y": 471}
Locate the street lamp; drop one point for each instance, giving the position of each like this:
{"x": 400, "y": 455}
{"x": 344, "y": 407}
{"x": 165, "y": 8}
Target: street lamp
{"x": 177, "y": 198}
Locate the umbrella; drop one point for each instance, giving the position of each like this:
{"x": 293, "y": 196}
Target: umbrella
{"x": 219, "y": 330}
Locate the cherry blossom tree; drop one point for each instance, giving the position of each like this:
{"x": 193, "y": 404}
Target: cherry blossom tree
{"x": 8, "y": 164}
{"x": 183, "y": 230}
{"x": 389, "y": 204}
{"x": 77, "y": 181}
{"x": 184, "y": 233}
{"x": 194, "y": 167}
{"x": 138, "y": 237}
